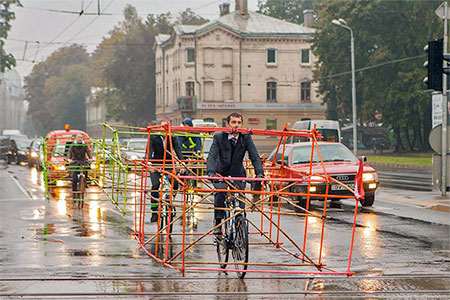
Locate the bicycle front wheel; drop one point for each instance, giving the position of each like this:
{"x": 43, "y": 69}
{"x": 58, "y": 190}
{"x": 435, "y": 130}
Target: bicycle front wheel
{"x": 240, "y": 247}
{"x": 222, "y": 247}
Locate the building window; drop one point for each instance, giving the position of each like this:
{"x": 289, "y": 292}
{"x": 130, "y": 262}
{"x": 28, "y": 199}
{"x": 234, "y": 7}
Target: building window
{"x": 271, "y": 91}
{"x": 209, "y": 91}
{"x": 271, "y": 56}
{"x": 271, "y": 124}
{"x": 209, "y": 56}
{"x": 190, "y": 55}
{"x": 189, "y": 88}
{"x": 227, "y": 91}
{"x": 227, "y": 57}
{"x": 305, "y": 56}
{"x": 306, "y": 91}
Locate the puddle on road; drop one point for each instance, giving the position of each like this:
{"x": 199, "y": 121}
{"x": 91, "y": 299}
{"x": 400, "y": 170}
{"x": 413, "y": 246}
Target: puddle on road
{"x": 36, "y": 213}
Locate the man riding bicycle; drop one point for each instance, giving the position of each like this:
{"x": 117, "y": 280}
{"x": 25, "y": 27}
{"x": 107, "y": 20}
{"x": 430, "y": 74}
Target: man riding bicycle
{"x": 158, "y": 146}
{"x": 79, "y": 153}
{"x": 225, "y": 159}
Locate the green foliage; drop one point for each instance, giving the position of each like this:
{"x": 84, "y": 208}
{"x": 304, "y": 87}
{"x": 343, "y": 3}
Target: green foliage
{"x": 384, "y": 31}
{"x": 7, "y": 61}
{"x": 126, "y": 67}
{"x": 288, "y": 10}
{"x": 57, "y": 88}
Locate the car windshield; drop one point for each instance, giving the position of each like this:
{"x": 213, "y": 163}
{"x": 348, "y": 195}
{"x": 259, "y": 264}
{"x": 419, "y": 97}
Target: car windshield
{"x": 139, "y": 145}
{"x": 207, "y": 144}
{"x": 60, "y": 150}
{"x": 280, "y": 154}
{"x": 36, "y": 145}
{"x": 329, "y": 152}
{"x": 22, "y": 144}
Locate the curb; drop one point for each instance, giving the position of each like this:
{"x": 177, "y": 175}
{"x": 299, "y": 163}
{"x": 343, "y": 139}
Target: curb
{"x": 398, "y": 166}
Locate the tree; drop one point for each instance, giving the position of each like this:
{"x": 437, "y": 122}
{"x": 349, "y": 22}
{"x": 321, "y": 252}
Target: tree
{"x": 126, "y": 67}
{"x": 288, "y": 10}
{"x": 7, "y": 61}
{"x": 56, "y": 89}
{"x": 188, "y": 17}
{"x": 385, "y": 33}
{"x": 126, "y": 76}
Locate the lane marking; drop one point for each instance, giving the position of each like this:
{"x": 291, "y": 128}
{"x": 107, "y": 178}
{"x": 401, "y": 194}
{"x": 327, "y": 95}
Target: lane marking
{"x": 20, "y": 186}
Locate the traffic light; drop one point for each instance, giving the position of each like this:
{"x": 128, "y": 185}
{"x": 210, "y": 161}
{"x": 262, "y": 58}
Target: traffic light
{"x": 434, "y": 65}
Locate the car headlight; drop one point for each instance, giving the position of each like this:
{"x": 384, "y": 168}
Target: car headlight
{"x": 34, "y": 154}
{"x": 316, "y": 179}
{"x": 367, "y": 177}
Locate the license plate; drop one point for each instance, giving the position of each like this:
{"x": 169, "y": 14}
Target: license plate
{"x": 336, "y": 187}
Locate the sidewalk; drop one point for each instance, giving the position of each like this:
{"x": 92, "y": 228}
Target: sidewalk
{"x": 429, "y": 200}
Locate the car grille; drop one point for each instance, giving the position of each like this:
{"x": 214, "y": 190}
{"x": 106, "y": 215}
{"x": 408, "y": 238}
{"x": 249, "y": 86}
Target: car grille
{"x": 344, "y": 177}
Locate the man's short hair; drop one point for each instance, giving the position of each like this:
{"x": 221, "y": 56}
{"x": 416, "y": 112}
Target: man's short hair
{"x": 236, "y": 115}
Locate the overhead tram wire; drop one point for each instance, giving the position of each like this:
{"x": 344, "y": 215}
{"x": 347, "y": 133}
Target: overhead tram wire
{"x": 59, "y": 34}
{"x": 89, "y": 24}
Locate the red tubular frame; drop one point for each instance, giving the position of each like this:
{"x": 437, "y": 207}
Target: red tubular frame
{"x": 279, "y": 190}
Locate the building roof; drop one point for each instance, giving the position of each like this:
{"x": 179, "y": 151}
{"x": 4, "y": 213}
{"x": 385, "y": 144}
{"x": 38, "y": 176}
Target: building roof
{"x": 161, "y": 38}
{"x": 255, "y": 24}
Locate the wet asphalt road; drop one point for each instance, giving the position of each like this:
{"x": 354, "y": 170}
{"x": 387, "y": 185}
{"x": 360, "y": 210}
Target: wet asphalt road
{"x": 50, "y": 248}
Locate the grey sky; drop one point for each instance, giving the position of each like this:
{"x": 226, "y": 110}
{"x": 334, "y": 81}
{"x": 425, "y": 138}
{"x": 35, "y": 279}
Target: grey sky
{"x": 35, "y": 23}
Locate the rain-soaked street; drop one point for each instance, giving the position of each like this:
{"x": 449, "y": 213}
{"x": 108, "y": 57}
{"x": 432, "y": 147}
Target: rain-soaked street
{"x": 52, "y": 249}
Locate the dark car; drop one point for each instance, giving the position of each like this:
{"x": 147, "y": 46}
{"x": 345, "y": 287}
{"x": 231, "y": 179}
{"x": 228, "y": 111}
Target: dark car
{"x": 23, "y": 145}
{"x": 8, "y": 150}
{"x": 35, "y": 154}
{"x": 338, "y": 162}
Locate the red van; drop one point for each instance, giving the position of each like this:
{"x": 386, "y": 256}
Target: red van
{"x": 57, "y": 146}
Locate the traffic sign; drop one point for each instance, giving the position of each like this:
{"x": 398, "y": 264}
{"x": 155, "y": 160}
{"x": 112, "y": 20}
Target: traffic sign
{"x": 435, "y": 138}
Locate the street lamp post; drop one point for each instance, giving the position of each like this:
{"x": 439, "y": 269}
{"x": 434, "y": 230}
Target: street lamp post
{"x": 342, "y": 23}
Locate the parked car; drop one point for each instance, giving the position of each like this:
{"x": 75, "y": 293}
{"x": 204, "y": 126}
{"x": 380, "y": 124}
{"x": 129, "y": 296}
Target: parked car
{"x": 339, "y": 162}
{"x": 35, "y": 158}
{"x": 134, "y": 149}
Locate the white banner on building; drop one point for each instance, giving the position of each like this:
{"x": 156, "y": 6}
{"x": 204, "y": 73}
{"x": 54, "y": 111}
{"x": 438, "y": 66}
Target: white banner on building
{"x": 261, "y": 106}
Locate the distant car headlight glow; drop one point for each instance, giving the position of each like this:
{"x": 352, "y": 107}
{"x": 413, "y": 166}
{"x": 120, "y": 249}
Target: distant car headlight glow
{"x": 367, "y": 177}
{"x": 22, "y": 153}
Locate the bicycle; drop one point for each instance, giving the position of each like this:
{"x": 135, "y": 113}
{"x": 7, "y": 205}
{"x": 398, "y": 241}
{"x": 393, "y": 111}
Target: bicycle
{"x": 235, "y": 237}
{"x": 79, "y": 189}
{"x": 166, "y": 207}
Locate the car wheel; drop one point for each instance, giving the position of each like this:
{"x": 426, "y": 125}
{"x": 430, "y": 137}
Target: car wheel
{"x": 301, "y": 201}
{"x": 368, "y": 200}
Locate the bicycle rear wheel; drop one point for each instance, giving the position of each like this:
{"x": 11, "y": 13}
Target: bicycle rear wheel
{"x": 222, "y": 247}
{"x": 82, "y": 190}
{"x": 240, "y": 247}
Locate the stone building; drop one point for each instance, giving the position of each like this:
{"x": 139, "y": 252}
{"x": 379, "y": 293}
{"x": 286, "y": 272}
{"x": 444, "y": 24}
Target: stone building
{"x": 243, "y": 61}
{"x": 12, "y": 104}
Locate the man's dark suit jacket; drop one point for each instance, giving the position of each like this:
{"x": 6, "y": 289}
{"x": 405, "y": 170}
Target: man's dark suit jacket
{"x": 223, "y": 160}
{"x": 156, "y": 149}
